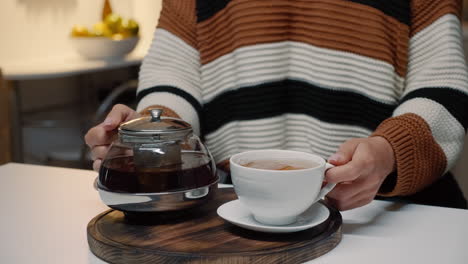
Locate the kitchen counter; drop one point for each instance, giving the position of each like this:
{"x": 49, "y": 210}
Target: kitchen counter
{"x": 45, "y": 211}
{"x": 64, "y": 66}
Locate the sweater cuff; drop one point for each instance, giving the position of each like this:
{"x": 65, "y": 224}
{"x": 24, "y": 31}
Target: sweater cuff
{"x": 420, "y": 160}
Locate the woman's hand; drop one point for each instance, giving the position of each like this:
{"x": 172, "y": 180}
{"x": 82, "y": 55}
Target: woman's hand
{"x": 362, "y": 166}
{"x": 99, "y": 137}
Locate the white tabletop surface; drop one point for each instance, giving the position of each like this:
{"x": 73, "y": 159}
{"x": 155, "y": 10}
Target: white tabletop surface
{"x": 45, "y": 210}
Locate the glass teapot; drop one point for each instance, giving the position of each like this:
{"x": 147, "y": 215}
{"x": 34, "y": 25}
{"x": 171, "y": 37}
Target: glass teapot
{"x": 156, "y": 164}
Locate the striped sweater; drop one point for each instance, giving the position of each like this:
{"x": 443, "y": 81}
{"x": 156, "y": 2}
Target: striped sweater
{"x": 310, "y": 74}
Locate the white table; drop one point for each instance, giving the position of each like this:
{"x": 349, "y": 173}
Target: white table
{"x": 45, "y": 210}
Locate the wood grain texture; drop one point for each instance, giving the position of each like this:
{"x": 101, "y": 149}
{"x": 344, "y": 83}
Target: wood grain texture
{"x": 5, "y": 122}
{"x": 201, "y": 236}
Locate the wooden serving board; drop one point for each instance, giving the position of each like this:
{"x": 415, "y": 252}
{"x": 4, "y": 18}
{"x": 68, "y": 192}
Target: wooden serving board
{"x": 199, "y": 235}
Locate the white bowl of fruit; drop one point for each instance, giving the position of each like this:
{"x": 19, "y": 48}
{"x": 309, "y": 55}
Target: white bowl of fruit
{"x": 114, "y": 37}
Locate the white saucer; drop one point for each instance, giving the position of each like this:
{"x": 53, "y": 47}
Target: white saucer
{"x": 235, "y": 213}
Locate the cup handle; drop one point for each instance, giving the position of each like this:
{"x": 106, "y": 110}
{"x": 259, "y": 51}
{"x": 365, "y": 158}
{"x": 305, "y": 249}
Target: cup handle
{"x": 328, "y": 187}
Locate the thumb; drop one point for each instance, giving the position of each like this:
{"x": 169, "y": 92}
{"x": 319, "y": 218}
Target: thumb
{"x": 345, "y": 152}
{"x": 118, "y": 114}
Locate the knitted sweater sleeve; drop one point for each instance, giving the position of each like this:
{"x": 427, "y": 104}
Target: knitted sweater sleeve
{"x": 427, "y": 129}
{"x": 170, "y": 72}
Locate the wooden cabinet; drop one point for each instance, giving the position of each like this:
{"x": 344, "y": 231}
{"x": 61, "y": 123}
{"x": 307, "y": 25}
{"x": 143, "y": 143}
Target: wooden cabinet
{"x": 5, "y": 124}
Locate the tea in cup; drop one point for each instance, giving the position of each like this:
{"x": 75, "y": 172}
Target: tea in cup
{"x": 276, "y": 186}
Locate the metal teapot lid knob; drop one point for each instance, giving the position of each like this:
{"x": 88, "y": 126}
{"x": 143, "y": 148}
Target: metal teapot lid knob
{"x": 156, "y": 114}
{"x": 155, "y": 127}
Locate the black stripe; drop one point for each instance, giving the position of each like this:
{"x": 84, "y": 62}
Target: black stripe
{"x": 445, "y": 191}
{"x": 398, "y": 9}
{"x": 277, "y": 98}
{"x": 455, "y": 101}
{"x": 208, "y": 8}
{"x": 174, "y": 90}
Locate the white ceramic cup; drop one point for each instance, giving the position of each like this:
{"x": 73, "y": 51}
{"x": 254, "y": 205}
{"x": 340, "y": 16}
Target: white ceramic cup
{"x": 278, "y": 197}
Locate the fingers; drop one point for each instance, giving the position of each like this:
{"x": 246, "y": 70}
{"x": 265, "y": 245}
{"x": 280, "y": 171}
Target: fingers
{"x": 120, "y": 113}
{"x": 97, "y": 164}
{"x": 99, "y": 152}
{"x": 343, "y": 192}
{"x": 103, "y": 133}
{"x": 363, "y": 166}
{"x": 361, "y": 163}
{"x": 345, "y": 173}
{"x": 364, "y": 186}
{"x": 345, "y": 152}
{"x": 350, "y": 196}
{"x": 97, "y": 136}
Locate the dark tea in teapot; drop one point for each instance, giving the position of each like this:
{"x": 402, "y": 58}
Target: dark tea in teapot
{"x": 119, "y": 174}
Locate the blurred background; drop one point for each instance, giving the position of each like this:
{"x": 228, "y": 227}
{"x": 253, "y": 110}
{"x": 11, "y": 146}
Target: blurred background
{"x": 51, "y": 93}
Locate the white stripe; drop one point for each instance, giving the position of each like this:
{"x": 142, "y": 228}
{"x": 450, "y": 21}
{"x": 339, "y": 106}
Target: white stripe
{"x": 171, "y": 61}
{"x": 322, "y": 67}
{"x": 174, "y": 102}
{"x": 289, "y": 131}
{"x": 296, "y": 125}
{"x": 436, "y": 57}
{"x": 446, "y": 130}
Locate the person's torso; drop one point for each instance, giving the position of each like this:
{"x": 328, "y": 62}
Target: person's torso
{"x": 297, "y": 74}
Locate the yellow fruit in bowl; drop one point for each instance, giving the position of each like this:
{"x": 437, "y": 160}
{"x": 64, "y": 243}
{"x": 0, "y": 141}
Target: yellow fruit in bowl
{"x": 79, "y": 31}
{"x": 113, "y": 27}
{"x": 101, "y": 29}
{"x": 129, "y": 27}
{"x": 119, "y": 36}
{"x": 113, "y": 22}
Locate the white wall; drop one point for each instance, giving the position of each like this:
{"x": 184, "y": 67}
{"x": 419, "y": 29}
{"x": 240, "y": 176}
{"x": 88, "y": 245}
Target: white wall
{"x": 38, "y": 28}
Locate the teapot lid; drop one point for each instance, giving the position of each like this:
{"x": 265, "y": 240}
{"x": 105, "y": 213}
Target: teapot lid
{"x": 154, "y": 128}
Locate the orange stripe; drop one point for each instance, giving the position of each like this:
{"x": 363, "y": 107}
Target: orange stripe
{"x": 179, "y": 18}
{"x": 420, "y": 160}
{"x": 334, "y": 24}
{"x": 426, "y": 12}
